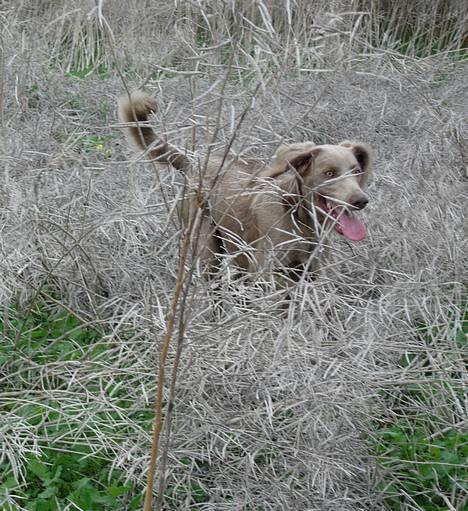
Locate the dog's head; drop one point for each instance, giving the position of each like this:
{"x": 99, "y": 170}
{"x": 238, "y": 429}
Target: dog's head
{"x": 332, "y": 177}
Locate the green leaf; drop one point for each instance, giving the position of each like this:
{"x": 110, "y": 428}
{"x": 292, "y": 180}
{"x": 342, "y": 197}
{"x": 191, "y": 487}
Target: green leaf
{"x": 50, "y": 491}
{"x": 39, "y": 469}
{"x": 8, "y": 483}
{"x": 198, "y": 494}
{"x": 58, "y": 472}
{"x": 118, "y": 491}
{"x": 461, "y": 338}
{"x": 136, "y": 503}
{"x": 426, "y": 472}
{"x": 451, "y": 457}
{"x": 43, "y": 505}
{"x": 103, "y": 499}
{"x": 407, "y": 359}
{"x": 83, "y": 498}
{"x": 82, "y": 483}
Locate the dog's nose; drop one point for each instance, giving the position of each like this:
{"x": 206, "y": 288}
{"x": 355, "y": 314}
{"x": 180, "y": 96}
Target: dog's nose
{"x": 359, "y": 202}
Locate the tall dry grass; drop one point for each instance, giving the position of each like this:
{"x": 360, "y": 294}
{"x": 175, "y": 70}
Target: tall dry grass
{"x": 273, "y": 409}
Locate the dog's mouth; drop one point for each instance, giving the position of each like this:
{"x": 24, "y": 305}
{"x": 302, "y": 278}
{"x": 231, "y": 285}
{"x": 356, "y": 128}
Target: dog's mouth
{"x": 347, "y": 223}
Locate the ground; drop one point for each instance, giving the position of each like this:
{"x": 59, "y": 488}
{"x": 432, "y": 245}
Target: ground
{"x": 352, "y": 397}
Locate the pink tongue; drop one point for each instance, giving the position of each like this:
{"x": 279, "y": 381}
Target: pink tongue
{"x": 350, "y": 226}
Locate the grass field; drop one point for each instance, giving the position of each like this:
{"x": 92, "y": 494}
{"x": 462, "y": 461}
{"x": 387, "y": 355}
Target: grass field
{"x": 354, "y": 396}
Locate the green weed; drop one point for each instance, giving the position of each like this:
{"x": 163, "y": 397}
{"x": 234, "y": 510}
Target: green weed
{"x": 203, "y": 37}
{"x": 424, "y": 460}
{"x": 70, "y": 471}
{"x": 95, "y": 144}
{"x": 424, "y": 467}
{"x": 99, "y": 71}
{"x": 57, "y": 479}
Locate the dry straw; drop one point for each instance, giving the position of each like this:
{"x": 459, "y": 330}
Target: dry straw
{"x": 258, "y": 406}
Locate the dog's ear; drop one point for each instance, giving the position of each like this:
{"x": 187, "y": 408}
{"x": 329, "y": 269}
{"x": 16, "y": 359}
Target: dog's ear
{"x": 298, "y": 160}
{"x": 363, "y": 156}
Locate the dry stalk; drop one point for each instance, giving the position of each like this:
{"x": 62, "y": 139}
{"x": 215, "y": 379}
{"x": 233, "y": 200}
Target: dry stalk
{"x": 180, "y": 280}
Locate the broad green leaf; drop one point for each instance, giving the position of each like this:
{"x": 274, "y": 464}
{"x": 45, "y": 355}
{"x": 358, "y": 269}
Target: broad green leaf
{"x": 39, "y": 469}
{"x": 50, "y": 491}
{"x": 117, "y": 491}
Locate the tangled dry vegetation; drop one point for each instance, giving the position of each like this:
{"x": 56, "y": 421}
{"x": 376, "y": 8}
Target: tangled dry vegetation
{"x": 273, "y": 408}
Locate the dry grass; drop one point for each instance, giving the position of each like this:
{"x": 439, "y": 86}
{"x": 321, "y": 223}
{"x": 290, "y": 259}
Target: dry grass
{"x": 273, "y": 409}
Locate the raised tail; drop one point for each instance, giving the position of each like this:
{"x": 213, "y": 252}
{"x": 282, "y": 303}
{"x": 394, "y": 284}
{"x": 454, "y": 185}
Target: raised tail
{"x": 136, "y": 109}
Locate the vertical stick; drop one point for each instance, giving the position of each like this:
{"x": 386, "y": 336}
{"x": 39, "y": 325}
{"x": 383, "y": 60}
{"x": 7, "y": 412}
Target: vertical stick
{"x": 162, "y": 367}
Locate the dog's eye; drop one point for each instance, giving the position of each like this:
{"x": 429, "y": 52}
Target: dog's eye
{"x": 330, "y": 173}
{"x": 356, "y": 171}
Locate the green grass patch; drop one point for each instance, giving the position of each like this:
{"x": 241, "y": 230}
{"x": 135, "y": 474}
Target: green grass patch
{"x": 98, "y": 146}
{"x": 422, "y": 468}
{"x": 422, "y": 47}
{"x": 57, "y": 479}
{"x": 43, "y": 334}
{"x": 422, "y": 448}
{"x": 68, "y": 463}
{"x": 93, "y": 71}
{"x": 68, "y": 444}
{"x": 95, "y": 144}
{"x": 203, "y": 36}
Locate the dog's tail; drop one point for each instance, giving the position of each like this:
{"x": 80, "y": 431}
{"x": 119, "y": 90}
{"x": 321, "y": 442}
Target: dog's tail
{"x": 136, "y": 108}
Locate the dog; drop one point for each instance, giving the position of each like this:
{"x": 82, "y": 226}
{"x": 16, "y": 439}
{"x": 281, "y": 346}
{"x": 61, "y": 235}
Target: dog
{"x": 266, "y": 217}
